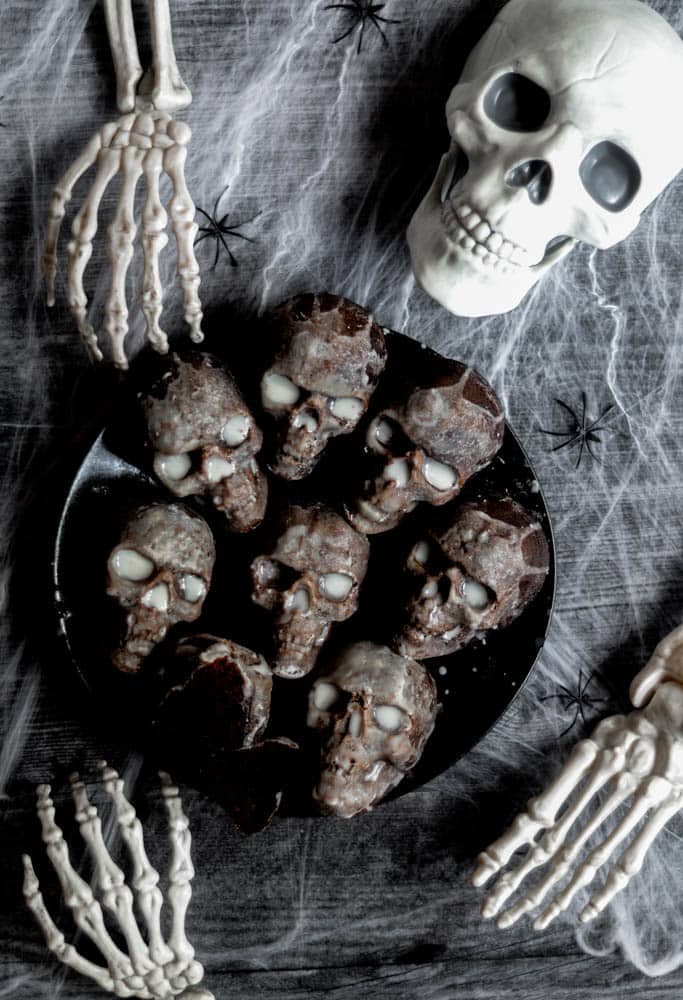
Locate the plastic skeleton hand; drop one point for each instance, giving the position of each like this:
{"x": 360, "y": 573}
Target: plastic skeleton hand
{"x": 635, "y": 760}
{"x": 147, "y": 142}
{"x": 151, "y": 967}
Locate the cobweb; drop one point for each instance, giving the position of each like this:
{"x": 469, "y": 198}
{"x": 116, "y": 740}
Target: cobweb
{"x": 319, "y": 154}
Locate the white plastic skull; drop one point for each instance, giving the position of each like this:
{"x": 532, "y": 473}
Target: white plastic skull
{"x": 330, "y": 356}
{"x": 376, "y": 710}
{"x": 159, "y": 572}
{"x": 205, "y": 439}
{"x": 564, "y": 127}
{"x": 311, "y": 578}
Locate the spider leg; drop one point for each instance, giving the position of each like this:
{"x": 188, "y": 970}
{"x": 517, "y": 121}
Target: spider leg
{"x": 218, "y": 250}
{"x": 154, "y": 239}
{"x": 587, "y": 442}
{"x": 581, "y": 446}
{"x": 235, "y": 232}
{"x": 205, "y": 232}
{"x": 360, "y": 37}
{"x": 571, "y": 724}
{"x": 571, "y": 440}
{"x": 229, "y": 252}
{"x": 345, "y": 35}
{"x": 572, "y": 414}
{"x": 206, "y": 215}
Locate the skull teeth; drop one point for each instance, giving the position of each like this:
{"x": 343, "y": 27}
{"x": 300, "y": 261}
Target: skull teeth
{"x": 467, "y": 229}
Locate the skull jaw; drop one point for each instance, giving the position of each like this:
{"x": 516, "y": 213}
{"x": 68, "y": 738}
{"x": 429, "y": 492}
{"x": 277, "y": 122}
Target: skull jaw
{"x": 386, "y": 504}
{"x": 456, "y": 278}
{"x": 144, "y": 631}
{"x": 421, "y": 643}
{"x": 298, "y": 642}
{"x": 242, "y": 497}
{"x": 298, "y": 453}
{"x": 346, "y": 788}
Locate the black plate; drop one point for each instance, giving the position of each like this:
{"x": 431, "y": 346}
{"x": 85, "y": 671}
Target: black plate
{"x": 475, "y": 685}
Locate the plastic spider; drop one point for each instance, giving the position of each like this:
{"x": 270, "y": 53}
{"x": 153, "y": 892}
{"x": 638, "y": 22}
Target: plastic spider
{"x": 578, "y": 700}
{"x": 217, "y": 229}
{"x": 582, "y": 431}
{"x": 363, "y": 12}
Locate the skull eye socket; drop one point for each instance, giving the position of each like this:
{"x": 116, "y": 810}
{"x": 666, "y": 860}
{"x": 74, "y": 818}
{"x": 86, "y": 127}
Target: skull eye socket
{"x": 439, "y": 475}
{"x": 131, "y": 565}
{"x": 275, "y": 575}
{"x": 278, "y": 391}
{"x": 385, "y": 434}
{"x": 475, "y": 594}
{"x": 191, "y": 587}
{"x": 235, "y": 430}
{"x": 610, "y": 175}
{"x": 389, "y": 717}
{"x": 335, "y": 586}
{"x": 326, "y": 695}
{"x": 346, "y": 408}
{"x": 173, "y": 467}
{"x": 516, "y": 103}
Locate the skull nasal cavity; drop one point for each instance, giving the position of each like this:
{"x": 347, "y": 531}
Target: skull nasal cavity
{"x": 534, "y": 175}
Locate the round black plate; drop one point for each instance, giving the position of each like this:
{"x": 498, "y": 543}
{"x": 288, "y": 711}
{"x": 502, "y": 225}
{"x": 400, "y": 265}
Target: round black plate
{"x": 475, "y": 685}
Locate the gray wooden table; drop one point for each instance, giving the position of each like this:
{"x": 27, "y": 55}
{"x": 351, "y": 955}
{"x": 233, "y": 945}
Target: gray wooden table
{"x": 319, "y": 154}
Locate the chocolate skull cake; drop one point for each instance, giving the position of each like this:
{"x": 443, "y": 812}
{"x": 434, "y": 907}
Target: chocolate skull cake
{"x": 375, "y": 711}
{"x": 310, "y": 579}
{"x": 479, "y": 573}
{"x": 417, "y": 428}
{"x": 331, "y": 354}
{"x": 205, "y": 439}
{"x": 159, "y": 572}
{"x": 424, "y": 447}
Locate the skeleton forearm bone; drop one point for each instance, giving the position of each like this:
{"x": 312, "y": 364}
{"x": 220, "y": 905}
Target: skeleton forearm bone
{"x": 636, "y": 760}
{"x": 153, "y": 969}
{"x": 147, "y": 143}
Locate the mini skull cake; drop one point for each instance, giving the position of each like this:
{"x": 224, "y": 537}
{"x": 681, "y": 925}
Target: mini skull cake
{"x": 223, "y": 696}
{"x": 159, "y": 572}
{"x": 205, "y": 439}
{"x": 376, "y": 710}
{"x": 309, "y": 580}
{"x": 426, "y": 447}
{"x": 330, "y": 357}
{"x": 478, "y": 574}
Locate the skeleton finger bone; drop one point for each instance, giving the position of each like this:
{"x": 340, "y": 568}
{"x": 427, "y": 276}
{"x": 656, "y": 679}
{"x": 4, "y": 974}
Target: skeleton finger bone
{"x": 665, "y": 664}
{"x": 138, "y": 143}
{"x": 638, "y": 760}
{"x": 652, "y": 794}
{"x": 121, "y": 235}
{"x": 631, "y": 861}
{"x": 153, "y": 969}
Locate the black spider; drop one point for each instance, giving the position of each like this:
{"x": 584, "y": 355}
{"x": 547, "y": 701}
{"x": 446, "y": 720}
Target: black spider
{"x": 217, "y": 229}
{"x": 578, "y": 700}
{"x": 582, "y": 431}
{"x": 363, "y": 12}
